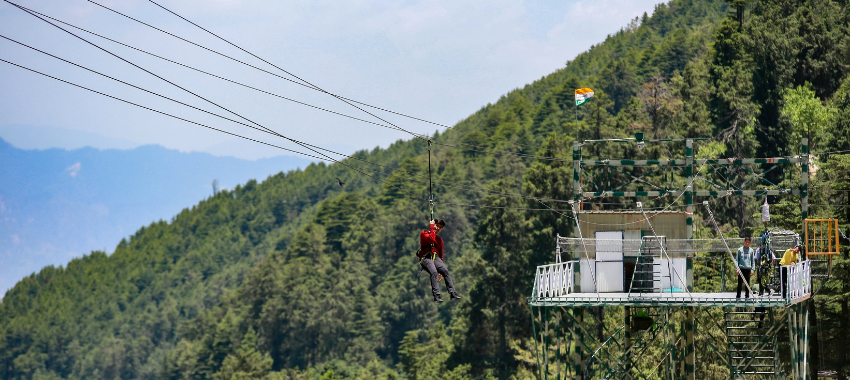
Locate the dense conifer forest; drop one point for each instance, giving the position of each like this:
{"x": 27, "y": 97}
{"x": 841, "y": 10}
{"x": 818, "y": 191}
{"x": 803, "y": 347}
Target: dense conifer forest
{"x": 297, "y": 277}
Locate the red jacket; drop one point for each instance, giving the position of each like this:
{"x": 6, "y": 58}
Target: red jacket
{"x": 430, "y": 242}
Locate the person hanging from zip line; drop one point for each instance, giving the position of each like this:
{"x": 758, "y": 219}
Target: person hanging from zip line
{"x": 431, "y": 259}
{"x": 745, "y": 266}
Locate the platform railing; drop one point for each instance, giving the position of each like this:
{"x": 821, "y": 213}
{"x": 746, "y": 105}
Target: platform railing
{"x": 558, "y": 280}
{"x": 554, "y": 280}
{"x": 799, "y": 280}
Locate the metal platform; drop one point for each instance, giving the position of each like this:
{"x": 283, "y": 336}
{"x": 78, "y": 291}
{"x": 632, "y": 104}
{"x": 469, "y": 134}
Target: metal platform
{"x": 726, "y": 299}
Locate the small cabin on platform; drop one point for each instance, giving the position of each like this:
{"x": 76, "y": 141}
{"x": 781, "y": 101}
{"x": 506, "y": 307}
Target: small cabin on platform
{"x": 616, "y": 239}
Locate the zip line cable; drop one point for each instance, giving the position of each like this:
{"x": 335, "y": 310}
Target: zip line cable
{"x": 271, "y": 132}
{"x": 298, "y": 152}
{"x": 479, "y": 149}
{"x": 170, "y": 82}
{"x": 302, "y": 83}
{"x": 308, "y": 146}
{"x": 185, "y": 104}
{"x": 205, "y": 126}
{"x": 469, "y": 188}
{"x": 159, "y": 112}
{"x": 240, "y": 48}
{"x": 326, "y": 158}
{"x": 293, "y": 75}
{"x": 208, "y": 73}
{"x": 345, "y": 100}
{"x": 305, "y": 83}
{"x": 472, "y": 188}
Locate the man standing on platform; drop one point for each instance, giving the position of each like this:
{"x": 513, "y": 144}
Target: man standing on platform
{"x": 745, "y": 260}
{"x": 789, "y": 258}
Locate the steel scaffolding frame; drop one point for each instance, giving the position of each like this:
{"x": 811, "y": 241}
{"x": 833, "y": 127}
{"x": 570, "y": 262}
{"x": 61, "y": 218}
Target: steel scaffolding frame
{"x": 583, "y": 357}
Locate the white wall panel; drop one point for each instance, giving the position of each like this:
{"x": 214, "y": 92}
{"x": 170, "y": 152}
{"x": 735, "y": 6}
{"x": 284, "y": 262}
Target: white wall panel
{"x": 610, "y": 276}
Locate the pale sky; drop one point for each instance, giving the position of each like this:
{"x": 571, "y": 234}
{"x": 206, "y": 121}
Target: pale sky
{"x": 439, "y": 60}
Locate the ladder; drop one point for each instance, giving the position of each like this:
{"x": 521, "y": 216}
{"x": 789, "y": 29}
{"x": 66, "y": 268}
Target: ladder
{"x": 647, "y": 269}
{"x": 751, "y": 340}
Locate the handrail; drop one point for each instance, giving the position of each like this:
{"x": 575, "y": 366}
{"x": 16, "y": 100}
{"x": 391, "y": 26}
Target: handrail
{"x": 799, "y": 280}
{"x": 557, "y": 280}
{"x": 554, "y": 280}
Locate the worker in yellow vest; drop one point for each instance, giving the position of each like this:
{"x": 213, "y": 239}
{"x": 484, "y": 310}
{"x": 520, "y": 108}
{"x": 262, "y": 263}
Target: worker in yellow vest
{"x": 789, "y": 258}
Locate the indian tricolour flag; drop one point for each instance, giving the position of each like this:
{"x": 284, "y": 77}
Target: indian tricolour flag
{"x": 582, "y": 95}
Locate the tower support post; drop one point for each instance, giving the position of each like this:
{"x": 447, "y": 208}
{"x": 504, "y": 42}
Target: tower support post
{"x": 689, "y": 203}
{"x": 690, "y": 349}
{"x": 577, "y": 199}
{"x": 804, "y": 182}
{"x": 627, "y": 319}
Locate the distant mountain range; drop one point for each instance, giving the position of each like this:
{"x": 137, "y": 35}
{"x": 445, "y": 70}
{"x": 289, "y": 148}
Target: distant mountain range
{"x": 58, "y": 204}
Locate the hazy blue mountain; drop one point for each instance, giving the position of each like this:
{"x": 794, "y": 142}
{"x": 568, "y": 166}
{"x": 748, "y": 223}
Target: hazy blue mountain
{"x": 56, "y": 204}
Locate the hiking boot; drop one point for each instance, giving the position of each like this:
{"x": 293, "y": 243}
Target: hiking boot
{"x": 454, "y": 296}
{"x": 437, "y": 298}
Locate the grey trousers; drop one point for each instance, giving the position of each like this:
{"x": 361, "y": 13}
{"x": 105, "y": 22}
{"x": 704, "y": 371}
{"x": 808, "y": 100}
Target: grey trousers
{"x": 436, "y": 267}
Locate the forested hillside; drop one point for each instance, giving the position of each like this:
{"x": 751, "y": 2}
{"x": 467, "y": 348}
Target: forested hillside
{"x": 298, "y": 277}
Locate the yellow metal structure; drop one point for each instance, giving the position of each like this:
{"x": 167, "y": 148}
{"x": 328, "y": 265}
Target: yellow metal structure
{"x": 821, "y": 236}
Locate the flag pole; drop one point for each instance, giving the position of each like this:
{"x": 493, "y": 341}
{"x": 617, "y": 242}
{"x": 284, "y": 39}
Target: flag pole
{"x": 576, "y": 123}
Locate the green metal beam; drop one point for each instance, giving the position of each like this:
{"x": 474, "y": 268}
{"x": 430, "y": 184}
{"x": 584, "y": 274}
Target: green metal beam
{"x": 684, "y": 162}
{"x": 681, "y": 301}
{"x": 675, "y": 193}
